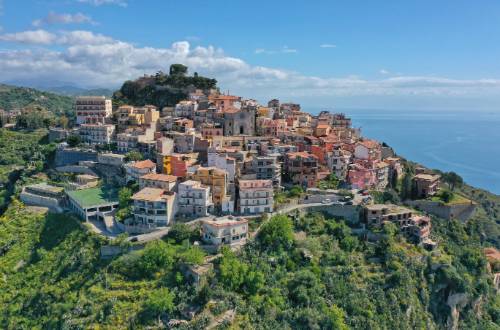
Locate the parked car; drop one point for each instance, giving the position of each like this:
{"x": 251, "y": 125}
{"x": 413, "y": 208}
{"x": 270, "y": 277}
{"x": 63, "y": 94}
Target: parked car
{"x": 346, "y": 198}
{"x": 326, "y": 201}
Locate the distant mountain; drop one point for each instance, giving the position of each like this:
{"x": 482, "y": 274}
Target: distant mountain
{"x": 14, "y": 97}
{"x": 69, "y": 90}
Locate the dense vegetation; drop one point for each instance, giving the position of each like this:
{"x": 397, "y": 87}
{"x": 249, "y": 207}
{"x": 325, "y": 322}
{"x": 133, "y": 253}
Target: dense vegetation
{"x": 12, "y": 97}
{"x": 307, "y": 273}
{"x": 162, "y": 89}
{"x": 22, "y": 155}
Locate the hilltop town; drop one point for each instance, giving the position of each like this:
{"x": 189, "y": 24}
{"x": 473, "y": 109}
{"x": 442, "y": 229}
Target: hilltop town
{"x": 175, "y": 205}
{"x": 220, "y": 160}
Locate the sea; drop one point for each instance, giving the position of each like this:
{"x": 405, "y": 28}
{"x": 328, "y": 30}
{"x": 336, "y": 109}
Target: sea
{"x": 466, "y": 142}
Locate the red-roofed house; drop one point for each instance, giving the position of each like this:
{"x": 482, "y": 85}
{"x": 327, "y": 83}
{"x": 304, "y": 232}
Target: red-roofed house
{"x": 135, "y": 170}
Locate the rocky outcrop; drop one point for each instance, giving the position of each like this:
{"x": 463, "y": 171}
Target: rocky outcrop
{"x": 456, "y": 302}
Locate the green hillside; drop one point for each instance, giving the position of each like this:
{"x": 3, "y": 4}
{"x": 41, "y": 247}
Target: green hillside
{"x": 162, "y": 89}
{"x": 13, "y": 97}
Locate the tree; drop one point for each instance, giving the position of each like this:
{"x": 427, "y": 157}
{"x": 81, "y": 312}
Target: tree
{"x": 232, "y": 271}
{"x": 296, "y": 191}
{"x": 74, "y": 140}
{"x": 124, "y": 196}
{"x": 133, "y": 156}
{"x": 407, "y": 185}
{"x": 446, "y": 196}
{"x": 453, "y": 180}
{"x": 336, "y": 318}
{"x": 181, "y": 232}
{"x": 157, "y": 255}
{"x": 63, "y": 121}
{"x": 277, "y": 233}
{"x": 192, "y": 255}
{"x": 159, "y": 301}
{"x": 304, "y": 288}
{"x": 330, "y": 182}
{"x": 178, "y": 70}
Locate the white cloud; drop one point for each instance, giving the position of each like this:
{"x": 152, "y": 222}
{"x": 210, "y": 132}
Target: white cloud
{"x": 384, "y": 71}
{"x": 285, "y": 50}
{"x": 44, "y": 37}
{"x": 85, "y": 58}
{"x": 30, "y": 37}
{"x": 55, "y": 18}
{"x": 121, "y": 3}
{"x": 328, "y": 46}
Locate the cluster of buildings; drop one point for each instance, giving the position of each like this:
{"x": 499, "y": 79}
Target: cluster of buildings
{"x": 218, "y": 154}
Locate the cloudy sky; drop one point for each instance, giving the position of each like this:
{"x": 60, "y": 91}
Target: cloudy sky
{"x": 420, "y": 54}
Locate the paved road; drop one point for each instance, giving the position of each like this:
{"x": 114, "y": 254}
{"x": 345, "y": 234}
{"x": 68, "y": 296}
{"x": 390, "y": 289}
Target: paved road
{"x": 100, "y": 229}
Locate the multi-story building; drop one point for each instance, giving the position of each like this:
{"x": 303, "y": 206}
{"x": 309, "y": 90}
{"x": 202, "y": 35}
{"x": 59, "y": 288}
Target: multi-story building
{"x": 127, "y": 115}
{"x": 185, "y": 109}
{"x": 209, "y": 130}
{"x": 225, "y": 231}
{"x": 238, "y": 121}
{"x": 178, "y": 164}
{"x": 135, "y": 170}
{"x": 157, "y": 180}
{"x": 361, "y": 177}
{"x": 220, "y": 159}
{"x": 194, "y": 199}
{"x": 382, "y": 174}
{"x": 255, "y": 196}
{"x": 265, "y": 168}
{"x": 301, "y": 168}
{"x": 96, "y": 134}
{"x": 367, "y": 150}
{"x": 132, "y": 138}
{"x": 223, "y": 102}
{"x": 270, "y": 127}
{"x": 217, "y": 180}
{"x": 377, "y": 214}
{"x": 153, "y": 207}
{"x": 426, "y": 184}
{"x": 92, "y": 109}
{"x": 415, "y": 226}
{"x": 338, "y": 162}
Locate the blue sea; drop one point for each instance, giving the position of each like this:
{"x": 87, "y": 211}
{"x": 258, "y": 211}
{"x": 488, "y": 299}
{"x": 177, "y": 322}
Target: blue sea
{"x": 466, "y": 142}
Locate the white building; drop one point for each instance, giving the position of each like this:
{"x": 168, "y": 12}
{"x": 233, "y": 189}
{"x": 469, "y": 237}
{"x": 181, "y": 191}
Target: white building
{"x": 194, "y": 199}
{"x": 153, "y": 207}
{"x": 135, "y": 170}
{"x": 185, "y": 109}
{"x": 92, "y": 109}
{"x": 338, "y": 162}
{"x": 96, "y": 133}
{"x": 225, "y": 231}
{"x": 156, "y": 180}
{"x": 221, "y": 160}
{"x": 255, "y": 196}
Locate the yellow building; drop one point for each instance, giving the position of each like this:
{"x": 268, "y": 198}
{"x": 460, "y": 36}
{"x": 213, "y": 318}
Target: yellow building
{"x": 215, "y": 178}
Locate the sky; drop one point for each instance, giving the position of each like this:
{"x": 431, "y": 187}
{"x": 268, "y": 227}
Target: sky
{"x": 387, "y": 54}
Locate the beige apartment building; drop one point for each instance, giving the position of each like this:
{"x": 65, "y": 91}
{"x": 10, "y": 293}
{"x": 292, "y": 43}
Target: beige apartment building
{"x": 97, "y": 134}
{"x": 92, "y": 109}
{"x": 255, "y": 196}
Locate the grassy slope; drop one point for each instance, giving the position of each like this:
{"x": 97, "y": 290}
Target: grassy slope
{"x": 485, "y": 224}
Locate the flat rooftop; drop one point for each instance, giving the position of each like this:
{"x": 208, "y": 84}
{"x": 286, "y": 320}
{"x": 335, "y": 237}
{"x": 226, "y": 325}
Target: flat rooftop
{"x": 94, "y": 196}
{"x": 46, "y": 187}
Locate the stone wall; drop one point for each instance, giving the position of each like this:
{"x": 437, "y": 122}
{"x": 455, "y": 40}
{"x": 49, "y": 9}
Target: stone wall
{"x": 461, "y": 212}
{"x": 351, "y": 213}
